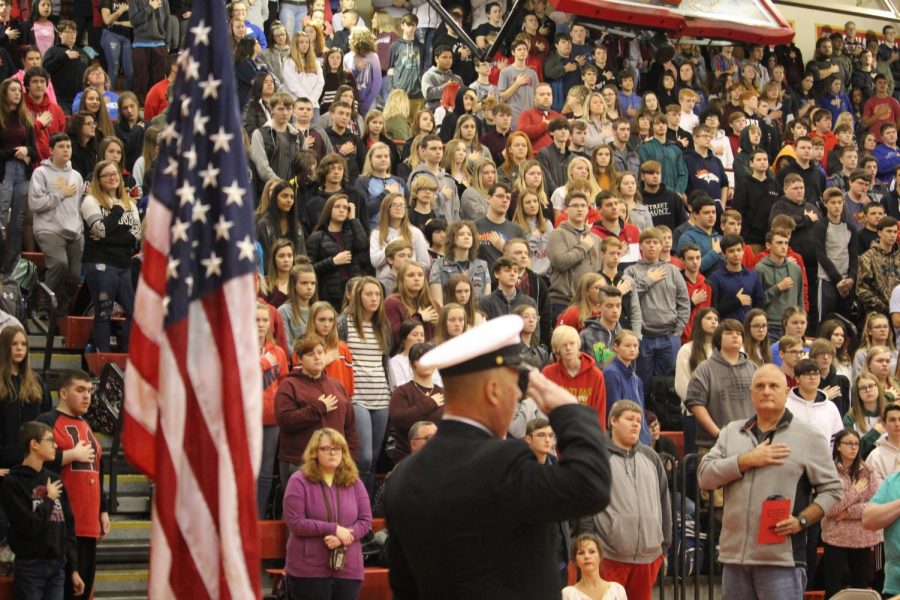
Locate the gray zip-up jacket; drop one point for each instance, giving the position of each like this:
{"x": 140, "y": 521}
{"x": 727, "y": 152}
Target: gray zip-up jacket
{"x": 723, "y": 389}
{"x": 636, "y": 527}
{"x": 665, "y": 305}
{"x": 53, "y": 211}
{"x": 808, "y": 470}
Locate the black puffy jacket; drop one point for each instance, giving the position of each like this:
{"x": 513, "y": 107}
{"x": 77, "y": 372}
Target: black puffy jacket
{"x": 321, "y": 248}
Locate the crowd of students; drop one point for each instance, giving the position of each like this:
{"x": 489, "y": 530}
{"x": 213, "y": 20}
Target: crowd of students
{"x": 693, "y": 219}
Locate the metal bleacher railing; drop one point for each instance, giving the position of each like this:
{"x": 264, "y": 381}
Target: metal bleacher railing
{"x": 684, "y": 527}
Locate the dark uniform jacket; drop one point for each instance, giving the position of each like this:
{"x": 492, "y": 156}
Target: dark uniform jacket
{"x": 475, "y": 517}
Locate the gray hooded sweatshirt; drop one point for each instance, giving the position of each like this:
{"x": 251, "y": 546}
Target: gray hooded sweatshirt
{"x": 723, "y": 389}
{"x": 53, "y": 212}
{"x": 636, "y": 527}
{"x": 665, "y": 305}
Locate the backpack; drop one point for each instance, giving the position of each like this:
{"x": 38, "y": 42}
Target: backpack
{"x": 11, "y": 300}
{"x": 25, "y": 273}
{"x": 665, "y": 403}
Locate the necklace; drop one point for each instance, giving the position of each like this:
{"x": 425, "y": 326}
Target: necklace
{"x": 426, "y": 391}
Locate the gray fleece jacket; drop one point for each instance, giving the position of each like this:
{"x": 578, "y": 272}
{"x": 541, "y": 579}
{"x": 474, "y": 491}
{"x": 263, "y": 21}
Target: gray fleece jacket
{"x": 54, "y": 212}
{"x": 636, "y": 527}
{"x": 665, "y": 305}
{"x": 808, "y": 470}
{"x": 723, "y": 389}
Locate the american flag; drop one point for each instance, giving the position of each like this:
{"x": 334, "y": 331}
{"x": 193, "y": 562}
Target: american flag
{"x": 193, "y": 387}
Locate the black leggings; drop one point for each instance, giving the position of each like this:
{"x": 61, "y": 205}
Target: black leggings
{"x": 323, "y": 588}
{"x": 835, "y": 561}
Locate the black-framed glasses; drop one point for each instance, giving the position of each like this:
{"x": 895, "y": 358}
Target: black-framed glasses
{"x": 330, "y": 449}
{"x": 850, "y": 444}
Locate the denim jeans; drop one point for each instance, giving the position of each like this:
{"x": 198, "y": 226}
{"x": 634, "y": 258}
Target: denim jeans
{"x": 117, "y": 50}
{"x": 109, "y": 284}
{"x": 291, "y": 15}
{"x": 371, "y": 426}
{"x": 741, "y": 582}
{"x": 425, "y": 36}
{"x": 39, "y": 579}
{"x": 13, "y": 204}
{"x": 657, "y": 357}
{"x": 266, "y": 477}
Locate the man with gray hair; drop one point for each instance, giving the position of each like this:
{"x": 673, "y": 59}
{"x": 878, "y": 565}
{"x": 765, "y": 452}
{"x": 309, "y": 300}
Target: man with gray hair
{"x": 769, "y": 458}
{"x": 420, "y": 433}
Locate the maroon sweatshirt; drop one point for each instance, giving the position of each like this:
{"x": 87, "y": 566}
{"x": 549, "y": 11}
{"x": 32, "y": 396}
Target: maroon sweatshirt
{"x": 300, "y": 413}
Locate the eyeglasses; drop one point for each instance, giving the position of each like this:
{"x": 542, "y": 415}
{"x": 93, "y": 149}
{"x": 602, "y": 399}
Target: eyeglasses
{"x": 850, "y": 444}
{"x": 331, "y": 449}
{"x": 866, "y": 388}
{"x": 760, "y": 326}
{"x": 109, "y": 175}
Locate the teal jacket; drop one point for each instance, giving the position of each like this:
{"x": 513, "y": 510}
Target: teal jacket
{"x": 674, "y": 169}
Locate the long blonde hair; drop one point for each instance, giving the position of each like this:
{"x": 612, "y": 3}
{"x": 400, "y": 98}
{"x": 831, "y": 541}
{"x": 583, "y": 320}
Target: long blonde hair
{"x": 396, "y": 105}
{"x": 581, "y": 299}
{"x": 591, "y": 179}
{"x": 422, "y": 298}
{"x": 346, "y": 473}
{"x": 331, "y": 340}
{"x": 520, "y": 219}
{"x": 367, "y": 165}
{"x": 384, "y": 219}
{"x": 441, "y": 334}
{"x": 104, "y": 199}
{"x": 520, "y": 187}
{"x": 380, "y": 325}
{"x": 308, "y": 62}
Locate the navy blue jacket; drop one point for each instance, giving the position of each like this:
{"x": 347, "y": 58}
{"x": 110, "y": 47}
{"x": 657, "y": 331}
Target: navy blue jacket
{"x": 725, "y": 285}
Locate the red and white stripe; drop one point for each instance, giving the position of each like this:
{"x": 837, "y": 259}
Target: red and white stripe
{"x": 192, "y": 423}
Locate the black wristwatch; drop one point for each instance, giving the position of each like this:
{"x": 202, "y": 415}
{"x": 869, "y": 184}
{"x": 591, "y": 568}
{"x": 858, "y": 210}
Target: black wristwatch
{"x": 803, "y": 522}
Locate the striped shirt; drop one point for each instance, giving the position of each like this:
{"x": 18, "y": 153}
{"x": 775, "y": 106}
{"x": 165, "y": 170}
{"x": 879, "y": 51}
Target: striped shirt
{"x": 369, "y": 379}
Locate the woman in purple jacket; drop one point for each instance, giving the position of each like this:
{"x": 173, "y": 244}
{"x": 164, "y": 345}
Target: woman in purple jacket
{"x": 327, "y": 512}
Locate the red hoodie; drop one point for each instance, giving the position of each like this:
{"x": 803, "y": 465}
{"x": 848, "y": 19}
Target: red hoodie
{"x": 42, "y": 133}
{"x": 797, "y": 259}
{"x": 587, "y": 385}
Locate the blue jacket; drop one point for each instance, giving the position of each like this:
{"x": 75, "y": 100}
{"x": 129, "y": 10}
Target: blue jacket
{"x": 711, "y": 260}
{"x": 836, "y": 104}
{"x": 705, "y": 173}
{"x": 622, "y": 383}
{"x": 888, "y": 160}
{"x": 725, "y": 285}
